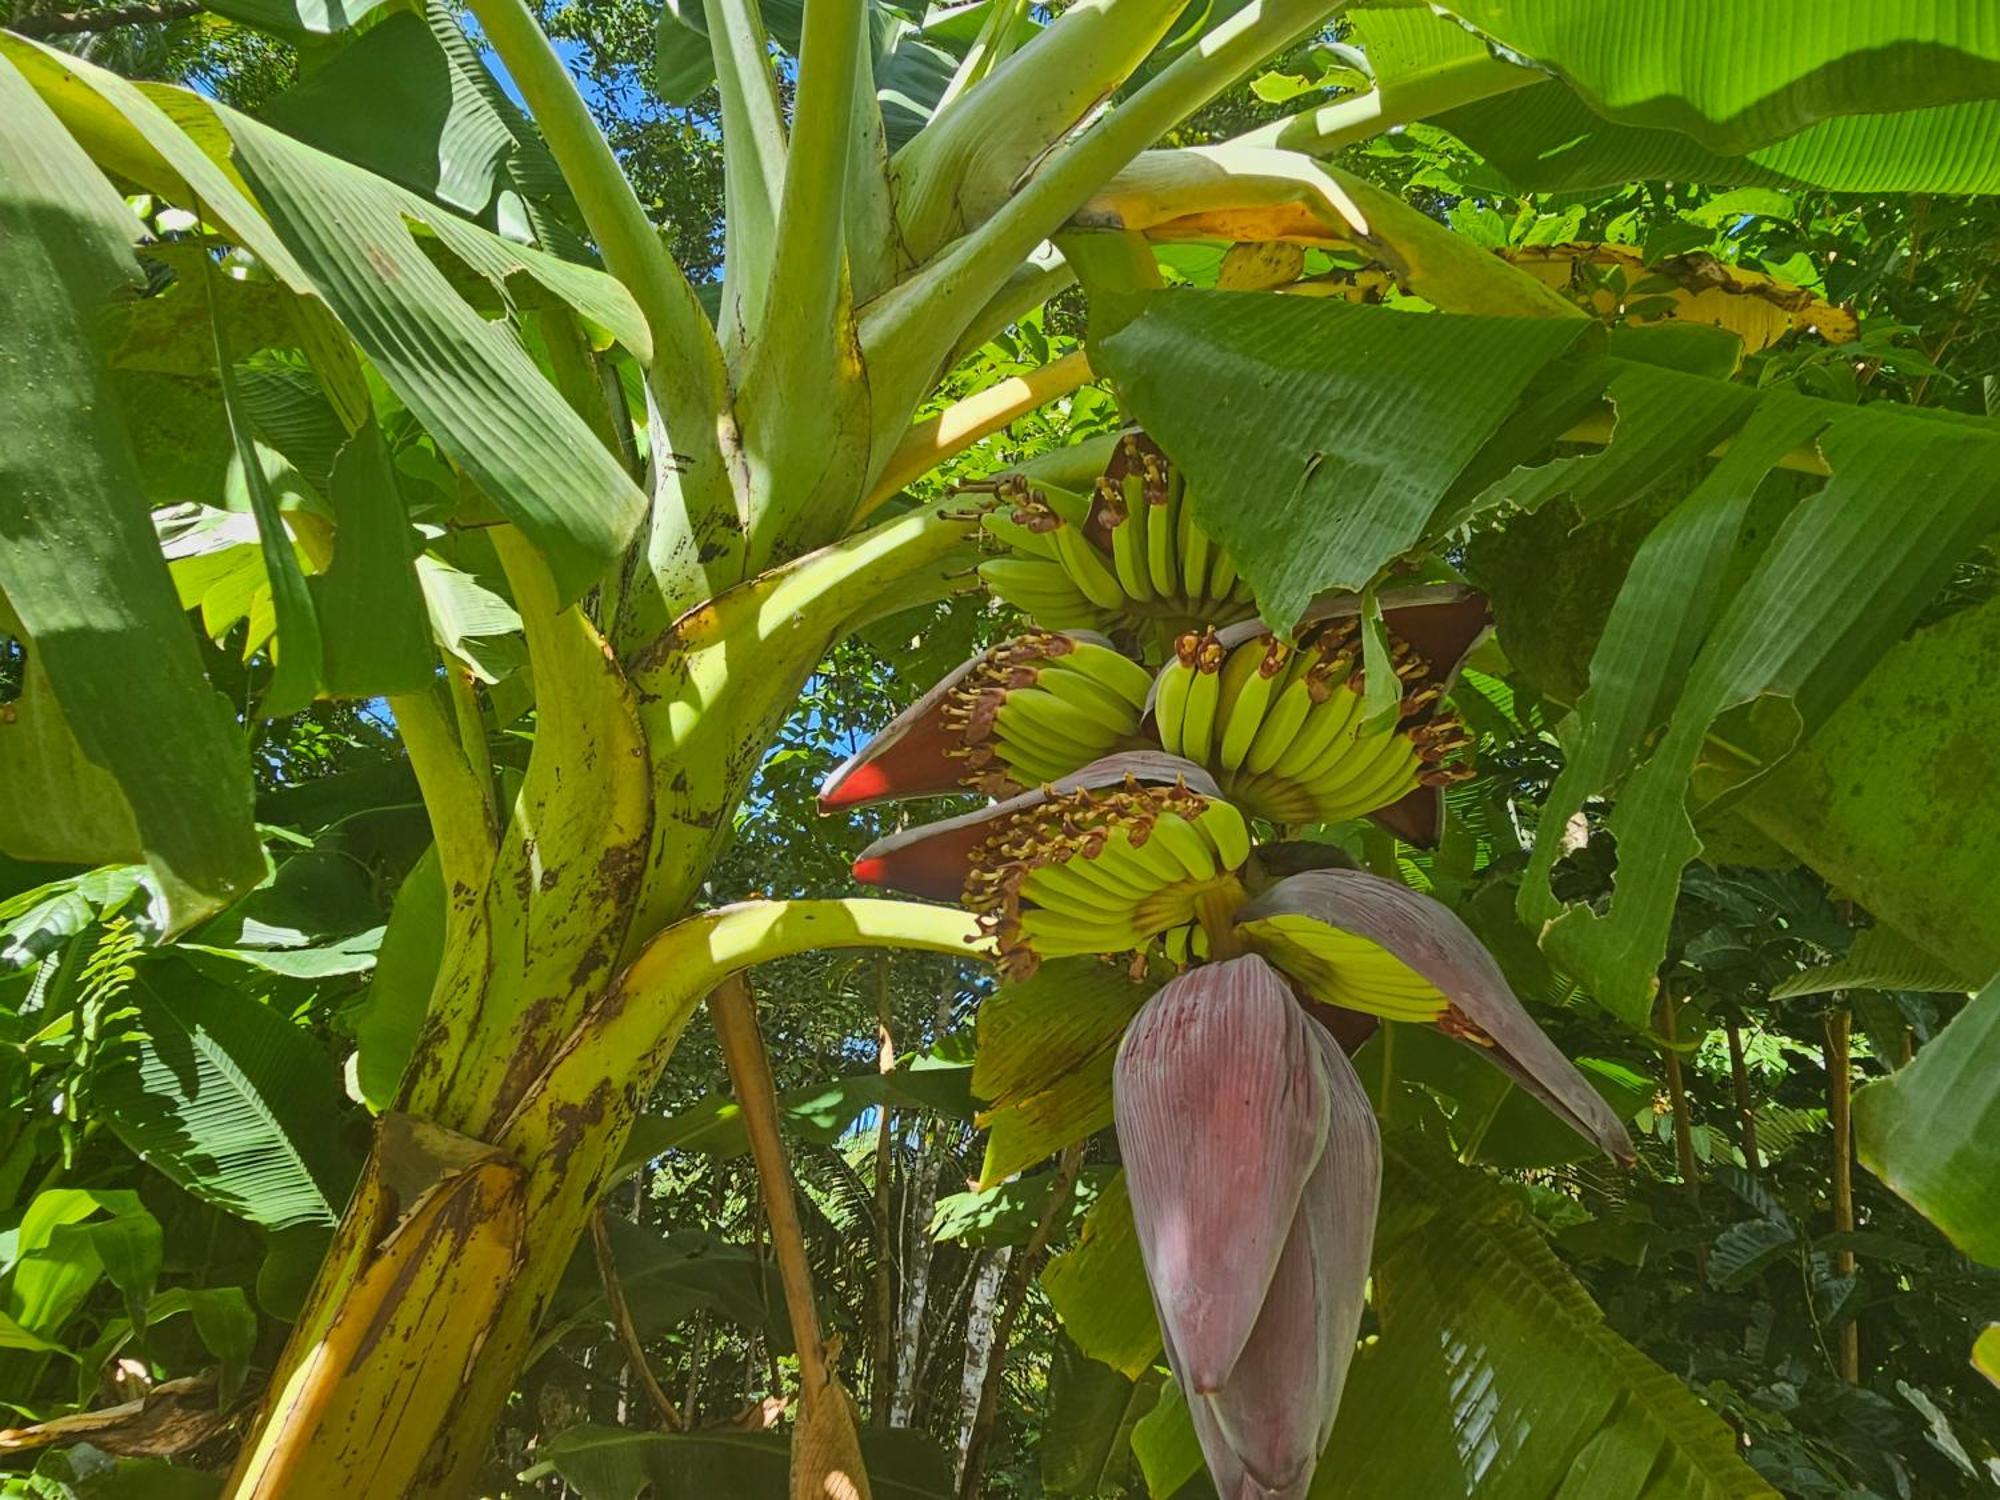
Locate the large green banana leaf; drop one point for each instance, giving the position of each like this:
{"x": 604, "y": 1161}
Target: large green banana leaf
{"x": 1932, "y": 1130}
{"x": 1898, "y": 96}
{"x": 1355, "y": 435}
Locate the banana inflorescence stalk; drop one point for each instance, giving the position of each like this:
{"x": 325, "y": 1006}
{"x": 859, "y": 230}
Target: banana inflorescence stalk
{"x": 1252, "y": 1157}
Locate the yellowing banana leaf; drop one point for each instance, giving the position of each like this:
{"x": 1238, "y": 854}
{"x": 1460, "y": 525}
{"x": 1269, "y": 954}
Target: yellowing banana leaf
{"x": 1697, "y": 288}
{"x": 1239, "y": 192}
{"x": 1043, "y": 1066}
{"x": 437, "y": 123}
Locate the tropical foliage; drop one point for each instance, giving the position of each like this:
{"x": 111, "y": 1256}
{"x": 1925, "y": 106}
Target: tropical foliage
{"x": 471, "y": 501}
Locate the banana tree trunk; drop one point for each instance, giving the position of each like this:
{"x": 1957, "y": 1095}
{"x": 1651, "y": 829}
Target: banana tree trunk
{"x": 403, "y": 1358}
{"x": 569, "y": 972}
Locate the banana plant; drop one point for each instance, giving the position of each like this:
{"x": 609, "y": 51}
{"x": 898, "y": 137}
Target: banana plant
{"x": 412, "y": 371}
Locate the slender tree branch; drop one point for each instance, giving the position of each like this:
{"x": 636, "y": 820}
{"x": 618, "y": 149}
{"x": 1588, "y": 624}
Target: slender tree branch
{"x": 1746, "y": 1113}
{"x": 69, "y": 22}
{"x": 883, "y": 1364}
{"x": 826, "y": 1451}
{"x": 621, "y": 1320}
{"x": 734, "y": 1013}
{"x": 1012, "y": 1296}
{"x": 964, "y": 423}
{"x": 1839, "y": 1102}
{"x": 1677, "y": 1094}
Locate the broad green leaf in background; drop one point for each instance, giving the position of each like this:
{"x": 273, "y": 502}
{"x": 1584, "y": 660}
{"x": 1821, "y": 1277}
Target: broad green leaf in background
{"x": 1546, "y": 139}
{"x": 683, "y": 64}
{"x": 470, "y": 621}
{"x": 1086, "y": 1442}
{"x": 1008, "y": 1214}
{"x": 129, "y": 1246}
{"x": 1164, "y": 1443}
{"x": 1497, "y": 1373}
{"x": 296, "y": 657}
{"x": 51, "y": 1273}
{"x": 1744, "y": 1249}
{"x": 385, "y": 1034}
{"x": 1893, "y": 799}
{"x": 821, "y": 1113}
{"x": 230, "y": 1100}
{"x": 299, "y": 17}
{"x": 609, "y": 1463}
{"x": 80, "y": 572}
{"x": 291, "y": 1261}
{"x": 1319, "y": 438}
{"x": 1493, "y": 1121}
{"x": 348, "y": 955}
{"x": 225, "y": 1321}
{"x": 1737, "y": 77}
{"x": 668, "y": 1279}
{"x": 914, "y": 59}
{"x": 1657, "y": 626}
{"x": 1098, "y": 1288}
{"x": 1880, "y": 959}
{"x": 374, "y": 634}
{"x": 436, "y": 122}
{"x": 1542, "y": 135}
{"x": 1932, "y": 1129}
{"x": 1845, "y": 575}
{"x": 1986, "y": 1353}
{"x": 84, "y": 1472}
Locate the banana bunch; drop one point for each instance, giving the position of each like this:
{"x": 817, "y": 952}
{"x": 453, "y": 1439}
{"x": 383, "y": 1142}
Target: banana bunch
{"x": 1283, "y": 730}
{"x": 1024, "y": 712}
{"x": 1133, "y": 849}
{"x": 1126, "y": 556}
{"x": 1159, "y": 852}
{"x": 1041, "y": 706}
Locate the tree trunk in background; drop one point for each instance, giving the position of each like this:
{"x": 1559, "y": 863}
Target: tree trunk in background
{"x": 978, "y": 1346}
{"x": 1677, "y": 1096}
{"x": 884, "y": 1363}
{"x": 916, "y": 1278}
{"x": 972, "y": 1461}
{"x": 826, "y": 1449}
{"x": 1839, "y": 1087}
{"x": 1746, "y": 1112}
